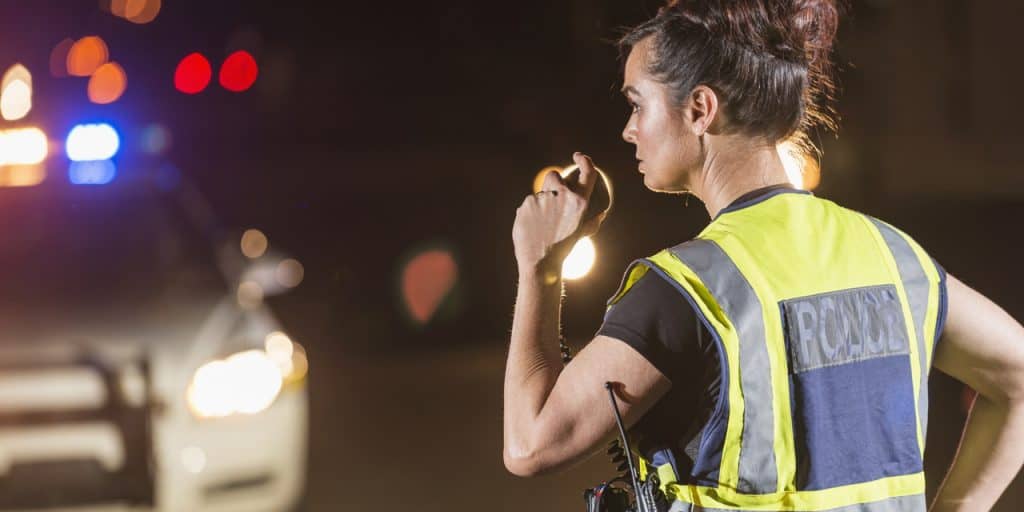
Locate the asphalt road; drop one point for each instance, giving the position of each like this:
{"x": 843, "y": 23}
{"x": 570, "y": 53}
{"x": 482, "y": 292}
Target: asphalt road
{"x": 423, "y": 433}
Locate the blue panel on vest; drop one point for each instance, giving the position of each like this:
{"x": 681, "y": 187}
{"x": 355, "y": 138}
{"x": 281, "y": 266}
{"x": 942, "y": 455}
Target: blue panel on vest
{"x": 855, "y": 422}
{"x": 705, "y": 470}
{"x": 709, "y": 459}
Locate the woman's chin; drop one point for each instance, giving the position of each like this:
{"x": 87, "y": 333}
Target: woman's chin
{"x": 651, "y": 183}
{"x": 662, "y": 188}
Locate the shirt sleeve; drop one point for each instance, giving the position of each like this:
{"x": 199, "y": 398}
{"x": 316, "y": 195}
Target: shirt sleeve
{"x": 940, "y": 320}
{"x": 656, "y": 320}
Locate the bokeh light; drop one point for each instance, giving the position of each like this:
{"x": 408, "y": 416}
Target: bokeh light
{"x": 18, "y": 175}
{"x": 86, "y": 55}
{"x": 250, "y": 294}
{"x": 59, "y": 58}
{"x": 155, "y": 139}
{"x": 209, "y": 395}
{"x": 802, "y": 169}
{"x": 538, "y": 180}
{"x": 254, "y": 243}
{"x": 115, "y": 7}
{"x": 580, "y": 259}
{"x": 238, "y": 72}
{"x": 289, "y": 356}
{"x": 15, "y": 100}
{"x": 246, "y": 382}
{"x": 427, "y": 280}
{"x": 23, "y": 146}
{"x": 16, "y": 93}
{"x": 95, "y": 172}
{"x": 300, "y": 364}
{"x": 289, "y": 273}
{"x": 193, "y": 74}
{"x": 87, "y": 142}
{"x": 107, "y": 83}
{"x": 258, "y": 381}
{"x": 279, "y": 347}
{"x": 812, "y": 172}
{"x": 136, "y": 11}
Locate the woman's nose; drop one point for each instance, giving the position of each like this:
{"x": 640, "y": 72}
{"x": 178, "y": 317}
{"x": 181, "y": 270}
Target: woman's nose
{"x": 629, "y": 133}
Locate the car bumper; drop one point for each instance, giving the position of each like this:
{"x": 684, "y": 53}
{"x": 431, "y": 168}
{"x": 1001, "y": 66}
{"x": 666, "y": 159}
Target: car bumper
{"x": 135, "y": 458}
{"x": 249, "y": 463}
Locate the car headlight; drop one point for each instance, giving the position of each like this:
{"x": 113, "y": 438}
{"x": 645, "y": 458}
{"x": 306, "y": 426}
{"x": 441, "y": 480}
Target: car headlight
{"x": 246, "y": 382}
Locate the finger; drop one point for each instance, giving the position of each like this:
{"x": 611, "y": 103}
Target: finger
{"x": 553, "y": 181}
{"x": 572, "y": 180}
{"x": 588, "y": 174}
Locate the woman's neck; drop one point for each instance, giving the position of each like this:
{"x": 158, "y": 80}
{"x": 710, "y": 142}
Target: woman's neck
{"x": 731, "y": 170}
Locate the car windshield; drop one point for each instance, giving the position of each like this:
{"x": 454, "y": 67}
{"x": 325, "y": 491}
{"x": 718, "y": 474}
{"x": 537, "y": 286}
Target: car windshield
{"x": 91, "y": 249}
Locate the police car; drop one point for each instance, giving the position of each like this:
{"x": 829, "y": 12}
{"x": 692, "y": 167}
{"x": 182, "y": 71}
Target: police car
{"x": 140, "y": 366}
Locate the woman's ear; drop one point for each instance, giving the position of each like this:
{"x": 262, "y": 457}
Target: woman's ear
{"x": 702, "y": 110}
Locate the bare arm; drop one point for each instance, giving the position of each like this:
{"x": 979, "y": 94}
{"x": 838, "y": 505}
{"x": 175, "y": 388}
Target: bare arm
{"x": 556, "y": 417}
{"x": 983, "y": 347}
{"x": 553, "y": 416}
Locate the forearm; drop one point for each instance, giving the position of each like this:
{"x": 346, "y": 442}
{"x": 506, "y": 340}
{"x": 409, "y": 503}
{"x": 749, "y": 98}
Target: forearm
{"x": 534, "y": 359}
{"x": 990, "y": 455}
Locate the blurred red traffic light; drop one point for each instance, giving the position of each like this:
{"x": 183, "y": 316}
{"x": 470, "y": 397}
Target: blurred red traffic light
{"x": 238, "y": 72}
{"x": 193, "y": 74}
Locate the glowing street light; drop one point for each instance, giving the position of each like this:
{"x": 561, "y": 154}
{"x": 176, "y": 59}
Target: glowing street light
{"x": 580, "y": 259}
{"x": 802, "y": 171}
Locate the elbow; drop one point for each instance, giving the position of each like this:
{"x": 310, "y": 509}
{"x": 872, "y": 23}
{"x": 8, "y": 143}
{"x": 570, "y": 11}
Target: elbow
{"x": 524, "y": 461}
{"x": 520, "y": 466}
{"x": 540, "y": 449}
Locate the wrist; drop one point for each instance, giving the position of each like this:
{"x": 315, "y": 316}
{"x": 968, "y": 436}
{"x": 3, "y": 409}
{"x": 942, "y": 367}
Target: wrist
{"x": 540, "y": 273}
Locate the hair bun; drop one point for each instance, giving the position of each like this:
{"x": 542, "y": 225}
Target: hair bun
{"x": 793, "y": 30}
{"x": 815, "y": 23}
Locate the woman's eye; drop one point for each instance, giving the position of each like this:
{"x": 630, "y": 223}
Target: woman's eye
{"x": 635, "y": 108}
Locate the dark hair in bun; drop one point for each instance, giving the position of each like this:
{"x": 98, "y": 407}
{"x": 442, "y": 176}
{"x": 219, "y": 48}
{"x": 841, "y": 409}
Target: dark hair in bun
{"x": 768, "y": 60}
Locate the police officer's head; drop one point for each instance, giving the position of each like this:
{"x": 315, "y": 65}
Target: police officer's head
{"x": 737, "y": 73}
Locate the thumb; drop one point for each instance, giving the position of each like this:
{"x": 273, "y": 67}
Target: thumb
{"x": 587, "y": 176}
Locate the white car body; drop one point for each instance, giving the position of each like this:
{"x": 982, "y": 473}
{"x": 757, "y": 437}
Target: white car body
{"x": 95, "y": 414}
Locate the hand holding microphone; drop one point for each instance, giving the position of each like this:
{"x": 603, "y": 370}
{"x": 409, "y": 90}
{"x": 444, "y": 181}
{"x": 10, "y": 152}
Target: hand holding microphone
{"x": 549, "y": 222}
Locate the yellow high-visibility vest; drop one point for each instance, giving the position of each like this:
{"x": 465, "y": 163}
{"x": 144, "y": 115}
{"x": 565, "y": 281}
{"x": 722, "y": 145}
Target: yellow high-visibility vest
{"x": 825, "y": 320}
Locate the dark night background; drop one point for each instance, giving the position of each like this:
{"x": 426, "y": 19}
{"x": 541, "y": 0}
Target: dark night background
{"x": 378, "y": 129}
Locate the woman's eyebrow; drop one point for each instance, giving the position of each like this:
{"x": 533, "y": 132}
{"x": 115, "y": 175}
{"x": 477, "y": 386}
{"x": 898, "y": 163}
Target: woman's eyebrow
{"x": 629, "y": 89}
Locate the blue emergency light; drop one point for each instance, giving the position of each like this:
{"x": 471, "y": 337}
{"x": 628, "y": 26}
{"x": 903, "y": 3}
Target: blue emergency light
{"x": 92, "y": 142}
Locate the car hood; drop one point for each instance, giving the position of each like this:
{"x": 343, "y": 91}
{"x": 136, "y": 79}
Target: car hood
{"x": 141, "y": 325}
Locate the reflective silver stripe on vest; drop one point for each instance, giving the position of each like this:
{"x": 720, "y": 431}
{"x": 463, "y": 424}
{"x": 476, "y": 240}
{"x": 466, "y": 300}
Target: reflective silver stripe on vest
{"x": 915, "y": 282}
{"x": 915, "y": 503}
{"x": 758, "y": 473}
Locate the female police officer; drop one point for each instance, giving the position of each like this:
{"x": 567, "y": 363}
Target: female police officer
{"x": 817, "y": 325}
